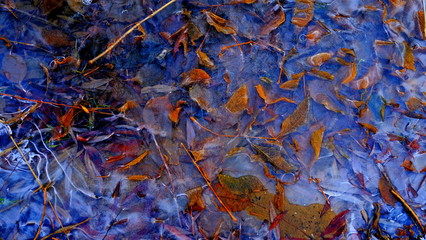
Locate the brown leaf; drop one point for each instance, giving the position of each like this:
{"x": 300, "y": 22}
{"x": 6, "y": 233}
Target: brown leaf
{"x": 195, "y": 76}
{"x": 234, "y": 203}
{"x": 262, "y": 94}
{"x": 14, "y": 68}
{"x": 243, "y": 185}
{"x": 336, "y": 227}
{"x": 294, "y": 82}
{"x": 421, "y": 20}
{"x": 303, "y": 13}
{"x": 384, "y": 188}
{"x": 174, "y": 115}
{"x": 408, "y": 57}
{"x": 136, "y": 160}
{"x": 49, "y": 5}
{"x": 277, "y": 18}
{"x": 408, "y": 165}
{"x": 414, "y": 103}
{"x": 351, "y": 74}
{"x": 272, "y": 155}
{"x": 56, "y": 37}
{"x": 238, "y": 101}
{"x": 296, "y": 119}
{"x": 233, "y": 2}
{"x": 221, "y": 25}
{"x": 277, "y": 220}
{"x": 321, "y": 74}
{"x": 370, "y": 127}
{"x": 196, "y": 202}
{"x": 204, "y": 60}
{"x": 319, "y": 59}
{"x": 316, "y": 141}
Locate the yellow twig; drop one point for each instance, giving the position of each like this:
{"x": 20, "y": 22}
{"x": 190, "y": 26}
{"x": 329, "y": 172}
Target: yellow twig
{"x": 131, "y": 30}
{"x": 65, "y": 230}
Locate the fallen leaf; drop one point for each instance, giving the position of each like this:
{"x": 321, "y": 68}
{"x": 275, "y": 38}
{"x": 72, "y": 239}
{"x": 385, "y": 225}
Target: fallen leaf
{"x": 408, "y": 57}
{"x": 336, "y": 227}
{"x": 195, "y": 197}
{"x": 204, "y": 60}
{"x": 272, "y": 155}
{"x": 351, "y": 74}
{"x": 303, "y": 13}
{"x": 220, "y": 24}
{"x": 316, "y": 141}
{"x": 195, "y": 76}
{"x": 138, "y": 177}
{"x": 408, "y": 165}
{"x": 277, "y": 220}
{"x": 384, "y": 188}
{"x": 414, "y": 103}
{"x": 14, "y": 68}
{"x": 321, "y": 74}
{"x": 128, "y": 105}
{"x": 319, "y": 59}
{"x": 238, "y": 101}
{"x": 243, "y": 185}
{"x": 276, "y": 18}
{"x": 174, "y": 115}
{"x": 262, "y": 94}
{"x": 370, "y": 127}
{"x": 294, "y": 82}
{"x": 296, "y": 119}
{"x": 233, "y": 2}
{"x": 136, "y": 160}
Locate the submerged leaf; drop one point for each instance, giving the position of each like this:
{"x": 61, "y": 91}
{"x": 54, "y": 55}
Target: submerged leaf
{"x": 196, "y": 202}
{"x": 384, "y": 188}
{"x": 296, "y": 119}
{"x": 204, "y": 60}
{"x": 221, "y": 25}
{"x": 195, "y": 76}
{"x": 272, "y": 155}
{"x": 276, "y": 19}
{"x": 351, "y": 74}
{"x": 238, "y": 101}
{"x": 316, "y": 141}
{"x": 319, "y": 59}
{"x": 242, "y": 185}
{"x": 14, "y": 68}
{"x": 303, "y": 13}
{"x": 408, "y": 57}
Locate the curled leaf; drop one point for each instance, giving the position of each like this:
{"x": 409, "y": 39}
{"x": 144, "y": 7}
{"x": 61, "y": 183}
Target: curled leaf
{"x": 321, "y": 74}
{"x": 195, "y": 76}
{"x": 221, "y": 25}
{"x": 277, "y": 18}
{"x": 303, "y": 13}
{"x": 204, "y": 60}
{"x": 351, "y": 74}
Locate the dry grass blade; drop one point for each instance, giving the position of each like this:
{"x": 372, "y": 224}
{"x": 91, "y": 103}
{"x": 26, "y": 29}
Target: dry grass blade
{"x": 409, "y": 210}
{"x": 130, "y": 30}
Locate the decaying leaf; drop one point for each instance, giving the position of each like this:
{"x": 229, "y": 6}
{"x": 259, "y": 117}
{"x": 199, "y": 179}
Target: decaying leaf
{"x": 316, "y": 141}
{"x": 138, "y": 177}
{"x": 414, "y": 103}
{"x": 221, "y": 25}
{"x": 336, "y": 227}
{"x": 294, "y": 82}
{"x": 260, "y": 90}
{"x": 303, "y": 13}
{"x": 384, "y": 188}
{"x": 271, "y": 154}
{"x": 204, "y": 60}
{"x": 408, "y": 165}
{"x": 277, "y": 17}
{"x": 196, "y": 202}
{"x": 408, "y": 57}
{"x": 238, "y": 101}
{"x": 243, "y": 185}
{"x": 319, "y": 59}
{"x": 14, "y": 68}
{"x": 421, "y": 21}
{"x": 296, "y": 119}
{"x": 351, "y": 74}
{"x": 195, "y": 76}
{"x": 321, "y": 74}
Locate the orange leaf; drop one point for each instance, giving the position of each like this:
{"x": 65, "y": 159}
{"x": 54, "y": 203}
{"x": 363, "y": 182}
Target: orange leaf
{"x": 238, "y": 101}
{"x": 408, "y": 57}
{"x": 261, "y": 92}
{"x": 297, "y": 118}
{"x": 408, "y": 165}
{"x": 277, "y": 220}
{"x": 174, "y": 114}
{"x": 128, "y": 105}
{"x": 303, "y": 13}
{"x": 115, "y": 158}
{"x": 195, "y": 197}
{"x": 195, "y": 76}
{"x": 278, "y": 18}
{"x": 414, "y": 103}
{"x": 204, "y": 60}
{"x": 321, "y": 74}
{"x": 136, "y": 160}
{"x": 138, "y": 177}
{"x": 319, "y": 59}
{"x": 351, "y": 74}
{"x": 316, "y": 141}
{"x": 85, "y": 109}
{"x": 370, "y": 127}
{"x": 233, "y": 2}
{"x": 221, "y": 25}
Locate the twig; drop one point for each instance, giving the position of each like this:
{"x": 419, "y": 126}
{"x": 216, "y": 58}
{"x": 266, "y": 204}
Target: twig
{"x": 208, "y": 183}
{"x": 65, "y": 230}
{"x": 131, "y": 30}
{"x": 409, "y": 210}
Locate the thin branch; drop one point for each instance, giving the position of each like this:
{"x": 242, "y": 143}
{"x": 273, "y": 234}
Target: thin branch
{"x": 130, "y": 30}
{"x": 208, "y": 183}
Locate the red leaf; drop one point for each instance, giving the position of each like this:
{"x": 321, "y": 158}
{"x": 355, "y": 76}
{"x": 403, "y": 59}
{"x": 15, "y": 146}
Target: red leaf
{"x": 277, "y": 220}
{"x": 336, "y": 226}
